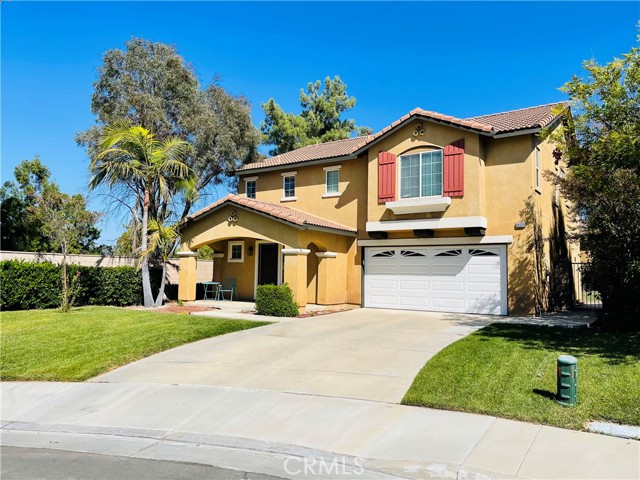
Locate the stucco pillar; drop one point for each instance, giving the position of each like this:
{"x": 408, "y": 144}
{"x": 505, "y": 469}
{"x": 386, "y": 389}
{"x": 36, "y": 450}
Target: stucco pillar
{"x": 187, "y": 276}
{"x": 324, "y": 280}
{"x": 295, "y": 273}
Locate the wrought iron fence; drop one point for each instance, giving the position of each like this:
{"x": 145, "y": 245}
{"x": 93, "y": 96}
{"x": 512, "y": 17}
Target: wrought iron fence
{"x": 584, "y": 298}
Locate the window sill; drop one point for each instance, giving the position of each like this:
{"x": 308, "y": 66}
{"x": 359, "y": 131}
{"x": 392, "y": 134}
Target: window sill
{"x": 235, "y": 260}
{"x": 331, "y": 195}
{"x": 419, "y": 205}
{"x": 288, "y": 199}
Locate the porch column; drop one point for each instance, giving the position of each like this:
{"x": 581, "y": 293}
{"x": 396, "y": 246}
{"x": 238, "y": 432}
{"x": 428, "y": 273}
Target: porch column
{"x": 295, "y": 273}
{"x": 324, "y": 263}
{"x": 187, "y": 276}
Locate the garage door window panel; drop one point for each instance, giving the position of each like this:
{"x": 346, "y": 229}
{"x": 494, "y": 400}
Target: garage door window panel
{"x": 411, "y": 253}
{"x": 482, "y": 253}
{"x": 384, "y": 254}
{"x": 449, "y": 253}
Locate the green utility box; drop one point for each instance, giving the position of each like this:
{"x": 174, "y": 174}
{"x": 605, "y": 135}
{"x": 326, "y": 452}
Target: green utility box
{"x": 567, "y": 380}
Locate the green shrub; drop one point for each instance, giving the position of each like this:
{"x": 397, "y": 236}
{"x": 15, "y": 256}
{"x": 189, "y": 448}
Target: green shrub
{"x": 276, "y": 301}
{"x": 32, "y": 285}
{"x": 27, "y": 285}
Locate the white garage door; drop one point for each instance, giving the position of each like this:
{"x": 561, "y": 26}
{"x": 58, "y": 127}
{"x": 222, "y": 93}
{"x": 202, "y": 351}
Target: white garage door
{"x": 466, "y": 279}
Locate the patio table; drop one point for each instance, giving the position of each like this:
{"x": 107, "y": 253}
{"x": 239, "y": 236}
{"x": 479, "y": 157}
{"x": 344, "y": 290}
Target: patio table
{"x": 211, "y": 288}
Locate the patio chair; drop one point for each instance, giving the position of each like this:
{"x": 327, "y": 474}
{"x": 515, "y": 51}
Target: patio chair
{"x": 228, "y": 285}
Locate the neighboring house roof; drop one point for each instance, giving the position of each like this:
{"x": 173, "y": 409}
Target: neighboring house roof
{"x": 494, "y": 124}
{"x": 292, "y": 216}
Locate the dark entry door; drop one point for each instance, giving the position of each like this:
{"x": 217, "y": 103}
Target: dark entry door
{"x": 268, "y": 264}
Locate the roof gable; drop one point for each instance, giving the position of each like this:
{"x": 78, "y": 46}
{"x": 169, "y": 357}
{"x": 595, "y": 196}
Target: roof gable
{"x": 291, "y": 216}
{"x": 492, "y": 125}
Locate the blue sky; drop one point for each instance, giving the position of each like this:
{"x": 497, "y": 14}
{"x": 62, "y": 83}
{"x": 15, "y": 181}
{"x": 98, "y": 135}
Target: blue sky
{"x": 461, "y": 59}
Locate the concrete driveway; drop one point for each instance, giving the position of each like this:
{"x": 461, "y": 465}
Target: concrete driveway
{"x": 368, "y": 354}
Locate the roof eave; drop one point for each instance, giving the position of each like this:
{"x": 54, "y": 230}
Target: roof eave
{"x": 515, "y": 133}
{"x": 287, "y": 166}
{"x": 337, "y": 231}
{"x": 531, "y": 130}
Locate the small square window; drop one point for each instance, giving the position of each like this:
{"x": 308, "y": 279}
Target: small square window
{"x": 236, "y": 252}
{"x": 251, "y": 189}
{"x": 289, "y": 187}
{"x": 333, "y": 181}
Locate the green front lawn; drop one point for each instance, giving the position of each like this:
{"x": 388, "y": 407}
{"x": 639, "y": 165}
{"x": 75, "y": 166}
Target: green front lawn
{"x": 74, "y": 346}
{"x": 510, "y": 371}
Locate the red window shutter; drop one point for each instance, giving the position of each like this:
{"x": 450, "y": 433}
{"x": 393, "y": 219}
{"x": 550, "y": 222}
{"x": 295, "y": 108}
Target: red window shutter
{"x": 386, "y": 177}
{"x": 453, "y": 169}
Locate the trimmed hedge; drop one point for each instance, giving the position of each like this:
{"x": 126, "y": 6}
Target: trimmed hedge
{"x": 38, "y": 285}
{"x": 276, "y": 301}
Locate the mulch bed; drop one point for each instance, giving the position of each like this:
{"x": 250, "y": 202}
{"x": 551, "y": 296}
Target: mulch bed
{"x": 174, "y": 308}
{"x": 185, "y": 309}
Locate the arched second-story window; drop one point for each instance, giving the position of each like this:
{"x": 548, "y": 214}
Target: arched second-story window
{"x": 421, "y": 174}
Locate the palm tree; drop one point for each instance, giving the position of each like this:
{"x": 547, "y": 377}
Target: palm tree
{"x": 163, "y": 241}
{"x": 132, "y": 156}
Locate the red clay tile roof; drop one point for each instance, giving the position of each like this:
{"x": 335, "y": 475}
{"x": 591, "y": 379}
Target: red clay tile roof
{"x": 336, "y": 148}
{"x": 496, "y": 123}
{"x": 419, "y": 112}
{"x": 296, "y": 217}
{"x": 522, "y": 119}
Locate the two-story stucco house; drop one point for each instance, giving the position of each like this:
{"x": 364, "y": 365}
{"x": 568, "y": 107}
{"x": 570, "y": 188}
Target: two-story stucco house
{"x": 426, "y": 214}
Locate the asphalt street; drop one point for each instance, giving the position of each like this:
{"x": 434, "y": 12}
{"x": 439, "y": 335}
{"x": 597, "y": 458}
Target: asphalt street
{"x": 38, "y": 463}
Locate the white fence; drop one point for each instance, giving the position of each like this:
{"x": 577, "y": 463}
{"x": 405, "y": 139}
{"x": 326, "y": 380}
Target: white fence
{"x": 204, "y": 272}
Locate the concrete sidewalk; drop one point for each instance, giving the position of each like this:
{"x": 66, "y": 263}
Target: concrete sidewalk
{"x": 254, "y": 430}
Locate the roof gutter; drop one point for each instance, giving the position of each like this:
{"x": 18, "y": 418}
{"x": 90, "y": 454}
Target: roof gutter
{"x": 515, "y": 133}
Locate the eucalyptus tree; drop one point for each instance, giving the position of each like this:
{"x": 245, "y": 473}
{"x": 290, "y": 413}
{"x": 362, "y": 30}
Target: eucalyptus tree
{"x": 149, "y": 84}
{"x": 132, "y": 158}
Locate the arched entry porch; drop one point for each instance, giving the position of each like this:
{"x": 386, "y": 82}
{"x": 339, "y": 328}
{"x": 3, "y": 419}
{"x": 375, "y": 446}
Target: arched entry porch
{"x": 259, "y": 243}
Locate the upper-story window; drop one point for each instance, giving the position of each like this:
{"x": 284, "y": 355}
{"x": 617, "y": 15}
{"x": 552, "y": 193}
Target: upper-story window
{"x": 251, "y": 187}
{"x": 332, "y": 181}
{"x": 288, "y": 186}
{"x": 421, "y": 174}
{"x": 538, "y": 168}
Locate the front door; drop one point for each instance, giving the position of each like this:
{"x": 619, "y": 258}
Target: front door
{"x": 268, "y": 263}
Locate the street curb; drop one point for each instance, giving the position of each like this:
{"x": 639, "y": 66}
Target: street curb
{"x": 222, "y": 451}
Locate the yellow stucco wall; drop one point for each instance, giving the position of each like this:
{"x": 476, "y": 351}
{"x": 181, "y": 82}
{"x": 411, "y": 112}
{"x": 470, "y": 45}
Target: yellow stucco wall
{"x": 436, "y": 137}
{"x": 499, "y": 177}
{"x": 509, "y": 180}
{"x": 310, "y": 187}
